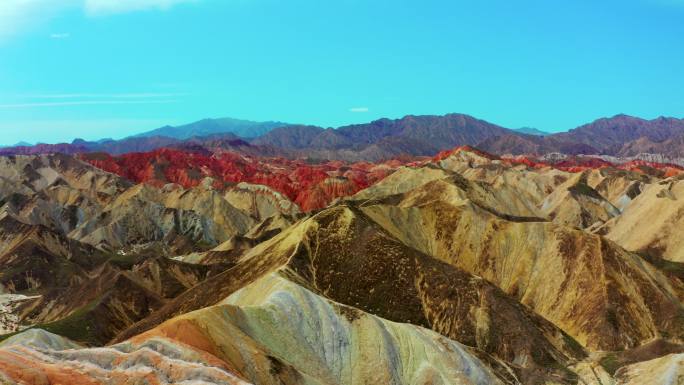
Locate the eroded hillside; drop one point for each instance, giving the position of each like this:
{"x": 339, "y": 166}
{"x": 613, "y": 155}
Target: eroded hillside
{"x": 218, "y": 268}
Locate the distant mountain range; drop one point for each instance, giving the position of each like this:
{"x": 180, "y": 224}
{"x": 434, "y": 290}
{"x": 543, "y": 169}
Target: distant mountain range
{"x": 18, "y": 144}
{"x": 621, "y": 135}
{"x": 531, "y": 131}
{"x": 207, "y": 127}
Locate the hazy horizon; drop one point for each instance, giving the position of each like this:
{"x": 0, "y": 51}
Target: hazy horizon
{"x": 145, "y": 130}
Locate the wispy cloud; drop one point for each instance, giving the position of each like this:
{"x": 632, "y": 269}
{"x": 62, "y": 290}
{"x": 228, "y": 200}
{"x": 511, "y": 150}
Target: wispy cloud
{"x": 84, "y": 103}
{"x": 89, "y": 99}
{"x": 104, "y": 7}
{"x": 138, "y": 95}
{"x": 60, "y": 36}
{"x": 17, "y": 16}
{"x": 359, "y": 109}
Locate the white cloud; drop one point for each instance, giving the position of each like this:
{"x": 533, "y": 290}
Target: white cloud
{"x": 60, "y": 36}
{"x": 104, "y": 7}
{"x": 18, "y": 15}
{"x": 359, "y": 109}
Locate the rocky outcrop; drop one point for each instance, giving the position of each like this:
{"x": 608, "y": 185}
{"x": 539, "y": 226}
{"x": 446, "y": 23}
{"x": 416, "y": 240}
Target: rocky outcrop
{"x": 653, "y": 222}
{"x": 260, "y": 201}
{"x": 625, "y": 300}
{"x": 664, "y": 370}
{"x": 576, "y": 204}
{"x": 310, "y": 186}
{"x": 228, "y": 269}
{"x": 38, "y": 357}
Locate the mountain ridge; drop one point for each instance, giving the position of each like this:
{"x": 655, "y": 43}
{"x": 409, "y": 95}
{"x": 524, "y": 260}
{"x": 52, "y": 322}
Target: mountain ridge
{"x": 382, "y": 139}
{"x": 209, "y": 126}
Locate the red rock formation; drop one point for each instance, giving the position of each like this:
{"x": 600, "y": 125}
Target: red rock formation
{"x": 312, "y": 186}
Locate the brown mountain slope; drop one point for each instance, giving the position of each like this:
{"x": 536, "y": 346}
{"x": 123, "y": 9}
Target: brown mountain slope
{"x": 469, "y": 268}
{"x": 531, "y": 185}
{"x": 609, "y": 134}
{"x": 109, "y": 301}
{"x": 576, "y": 204}
{"x": 181, "y": 219}
{"x": 39, "y": 357}
{"x": 50, "y": 268}
{"x": 271, "y": 332}
{"x": 35, "y": 259}
{"x": 621, "y": 135}
{"x": 505, "y": 200}
{"x": 259, "y": 201}
{"x": 323, "y": 342}
{"x": 385, "y": 138}
{"x": 169, "y": 278}
{"x": 342, "y": 255}
{"x": 670, "y": 147}
{"x": 104, "y": 210}
{"x": 40, "y": 172}
{"x": 619, "y": 187}
{"x": 653, "y": 223}
{"x": 624, "y": 300}
{"x": 400, "y": 284}
{"x": 519, "y": 144}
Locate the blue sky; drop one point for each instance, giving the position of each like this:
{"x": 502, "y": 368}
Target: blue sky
{"x": 111, "y": 68}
